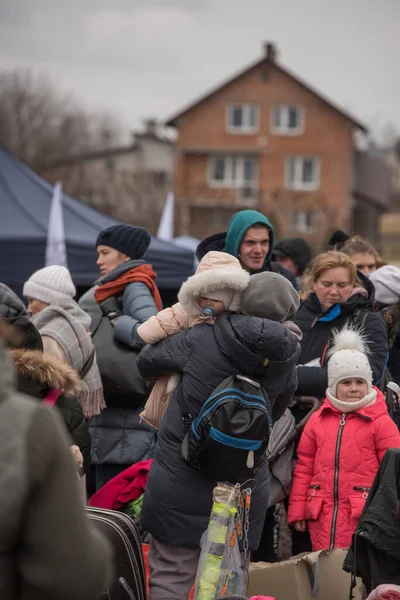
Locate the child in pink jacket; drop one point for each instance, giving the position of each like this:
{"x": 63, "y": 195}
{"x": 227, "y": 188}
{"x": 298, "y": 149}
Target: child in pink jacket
{"x": 214, "y": 288}
{"x": 341, "y": 448}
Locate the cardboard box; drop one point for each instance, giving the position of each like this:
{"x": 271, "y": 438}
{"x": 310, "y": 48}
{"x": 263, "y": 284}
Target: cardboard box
{"x": 316, "y": 576}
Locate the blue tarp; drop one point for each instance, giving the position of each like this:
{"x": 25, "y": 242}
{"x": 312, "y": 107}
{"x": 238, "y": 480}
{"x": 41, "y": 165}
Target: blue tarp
{"x": 25, "y": 200}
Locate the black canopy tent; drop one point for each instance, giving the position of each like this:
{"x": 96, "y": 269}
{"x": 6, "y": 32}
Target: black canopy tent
{"x": 25, "y": 200}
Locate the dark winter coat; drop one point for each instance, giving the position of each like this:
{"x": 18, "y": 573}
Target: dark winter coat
{"x": 48, "y": 547}
{"x": 317, "y": 327}
{"x": 119, "y": 436}
{"x": 37, "y": 374}
{"x": 10, "y": 304}
{"x": 217, "y": 242}
{"x": 178, "y": 498}
{"x": 137, "y": 305}
{"x": 392, "y": 319}
{"x": 375, "y": 552}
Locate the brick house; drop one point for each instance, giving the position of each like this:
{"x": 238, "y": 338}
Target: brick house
{"x": 268, "y": 141}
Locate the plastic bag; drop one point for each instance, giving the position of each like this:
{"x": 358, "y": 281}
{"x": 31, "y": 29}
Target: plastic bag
{"x": 220, "y": 571}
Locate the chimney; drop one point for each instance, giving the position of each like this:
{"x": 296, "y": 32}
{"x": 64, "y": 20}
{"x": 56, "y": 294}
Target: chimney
{"x": 150, "y": 126}
{"x": 270, "y": 51}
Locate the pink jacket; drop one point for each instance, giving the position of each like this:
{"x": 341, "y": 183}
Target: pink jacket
{"x": 338, "y": 457}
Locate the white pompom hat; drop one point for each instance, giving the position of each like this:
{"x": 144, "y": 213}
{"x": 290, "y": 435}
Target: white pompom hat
{"x": 348, "y": 359}
{"x": 50, "y": 285}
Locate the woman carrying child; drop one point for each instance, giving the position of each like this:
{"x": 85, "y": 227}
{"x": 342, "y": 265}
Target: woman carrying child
{"x": 341, "y": 448}
{"x": 178, "y": 498}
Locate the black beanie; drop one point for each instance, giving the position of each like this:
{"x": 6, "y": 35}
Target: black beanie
{"x": 337, "y": 240}
{"x": 132, "y": 241}
{"x": 28, "y": 336}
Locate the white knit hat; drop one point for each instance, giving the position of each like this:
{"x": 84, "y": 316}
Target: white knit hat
{"x": 348, "y": 359}
{"x": 386, "y": 281}
{"x": 50, "y": 285}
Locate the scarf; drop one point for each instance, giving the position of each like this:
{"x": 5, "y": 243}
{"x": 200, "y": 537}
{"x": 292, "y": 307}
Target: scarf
{"x": 346, "y": 407}
{"x": 76, "y": 343}
{"x": 142, "y": 273}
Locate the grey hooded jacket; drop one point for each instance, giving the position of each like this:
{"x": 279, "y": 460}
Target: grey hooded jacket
{"x": 48, "y": 549}
{"x": 178, "y": 498}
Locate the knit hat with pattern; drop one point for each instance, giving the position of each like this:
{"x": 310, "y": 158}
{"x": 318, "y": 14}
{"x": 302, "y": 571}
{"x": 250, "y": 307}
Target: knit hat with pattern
{"x": 132, "y": 241}
{"x": 50, "y": 285}
{"x": 348, "y": 359}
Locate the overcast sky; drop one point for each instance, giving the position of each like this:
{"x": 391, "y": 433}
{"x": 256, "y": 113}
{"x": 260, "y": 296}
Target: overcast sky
{"x": 140, "y": 58}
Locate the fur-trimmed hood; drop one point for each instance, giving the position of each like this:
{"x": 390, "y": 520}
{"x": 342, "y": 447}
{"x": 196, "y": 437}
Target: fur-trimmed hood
{"x": 217, "y": 271}
{"x": 33, "y": 365}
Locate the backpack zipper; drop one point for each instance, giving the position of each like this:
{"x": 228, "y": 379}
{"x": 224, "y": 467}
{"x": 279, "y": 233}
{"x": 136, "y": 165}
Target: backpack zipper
{"x": 336, "y": 480}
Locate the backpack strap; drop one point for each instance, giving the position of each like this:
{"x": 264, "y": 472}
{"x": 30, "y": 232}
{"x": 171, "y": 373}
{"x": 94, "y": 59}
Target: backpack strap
{"x": 52, "y": 396}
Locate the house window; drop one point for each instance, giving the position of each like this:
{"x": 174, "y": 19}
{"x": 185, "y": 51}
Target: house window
{"x": 242, "y": 118}
{"x": 302, "y": 173}
{"x": 287, "y": 120}
{"x": 304, "y": 221}
{"x": 232, "y": 171}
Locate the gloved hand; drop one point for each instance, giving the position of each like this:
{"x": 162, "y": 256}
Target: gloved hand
{"x": 111, "y": 308}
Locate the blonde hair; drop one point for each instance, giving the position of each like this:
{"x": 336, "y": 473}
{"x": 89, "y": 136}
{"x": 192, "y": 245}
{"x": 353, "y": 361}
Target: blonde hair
{"x": 321, "y": 263}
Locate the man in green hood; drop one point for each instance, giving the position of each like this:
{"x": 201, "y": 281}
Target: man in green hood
{"x": 250, "y": 238}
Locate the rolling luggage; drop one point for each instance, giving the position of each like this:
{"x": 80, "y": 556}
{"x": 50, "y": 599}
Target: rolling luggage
{"x": 129, "y": 580}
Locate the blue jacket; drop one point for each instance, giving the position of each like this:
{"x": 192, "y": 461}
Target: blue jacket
{"x": 178, "y": 498}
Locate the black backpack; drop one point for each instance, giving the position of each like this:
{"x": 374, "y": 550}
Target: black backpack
{"x": 229, "y": 437}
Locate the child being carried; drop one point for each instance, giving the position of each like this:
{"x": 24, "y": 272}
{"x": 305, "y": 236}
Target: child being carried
{"x": 216, "y": 287}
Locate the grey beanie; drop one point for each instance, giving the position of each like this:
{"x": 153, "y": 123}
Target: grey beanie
{"x": 386, "y": 281}
{"x": 270, "y": 296}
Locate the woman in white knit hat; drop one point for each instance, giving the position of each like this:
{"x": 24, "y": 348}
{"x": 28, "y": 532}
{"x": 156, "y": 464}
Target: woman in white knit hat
{"x": 341, "y": 448}
{"x": 64, "y": 328}
{"x": 386, "y": 281}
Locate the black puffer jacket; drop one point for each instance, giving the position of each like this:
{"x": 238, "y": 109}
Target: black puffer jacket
{"x": 37, "y": 374}
{"x": 217, "y": 242}
{"x": 317, "y": 328}
{"x": 375, "y": 552}
{"x": 178, "y": 498}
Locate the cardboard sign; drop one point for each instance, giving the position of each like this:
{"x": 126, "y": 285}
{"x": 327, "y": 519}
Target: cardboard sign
{"x": 315, "y": 576}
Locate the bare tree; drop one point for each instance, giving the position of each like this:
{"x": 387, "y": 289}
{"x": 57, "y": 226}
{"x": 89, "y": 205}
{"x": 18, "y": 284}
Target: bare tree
{"x": 39, "y": 124}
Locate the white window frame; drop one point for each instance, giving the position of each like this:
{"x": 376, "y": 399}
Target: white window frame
{"x": 299, "y": 221}
{"x": 229, "y": 182}
{"x": 285, "y": 129}
{"x": 299, "y": 184}
{"x": 244, "y": 129}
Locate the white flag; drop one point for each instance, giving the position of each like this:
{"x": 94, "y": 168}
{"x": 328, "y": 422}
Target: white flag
{"x": 166, "y": 228}
{"x": 56, "y": 251}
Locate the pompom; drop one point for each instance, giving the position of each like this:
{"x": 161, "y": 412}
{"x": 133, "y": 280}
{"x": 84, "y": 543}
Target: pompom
{"x": 349, "y": 338}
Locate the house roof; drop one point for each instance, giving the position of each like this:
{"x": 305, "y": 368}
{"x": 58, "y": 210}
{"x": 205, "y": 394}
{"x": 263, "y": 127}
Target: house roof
{"x": 173, "y": 121}
{"x": 112, "y": 151}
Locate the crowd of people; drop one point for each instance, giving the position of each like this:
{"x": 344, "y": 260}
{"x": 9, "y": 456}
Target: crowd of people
{"x": 116, "y": 380}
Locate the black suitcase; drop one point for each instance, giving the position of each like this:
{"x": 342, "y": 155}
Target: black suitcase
{"x": 130, "y": 580}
